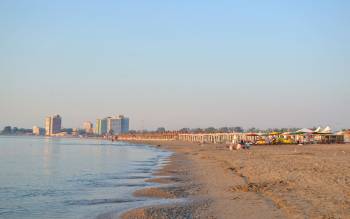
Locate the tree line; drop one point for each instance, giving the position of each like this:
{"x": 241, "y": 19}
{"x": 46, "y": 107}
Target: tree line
{"x": 8, "y": 130}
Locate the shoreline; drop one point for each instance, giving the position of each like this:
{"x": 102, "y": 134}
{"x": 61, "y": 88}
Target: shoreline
{"x": 264, "y": 182}
{"x": 174, "y": 183}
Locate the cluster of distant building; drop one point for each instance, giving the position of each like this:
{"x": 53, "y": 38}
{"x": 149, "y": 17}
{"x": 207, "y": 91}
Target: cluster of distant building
{"x": 112, "y": 125}
{"x": 53, "y": 126}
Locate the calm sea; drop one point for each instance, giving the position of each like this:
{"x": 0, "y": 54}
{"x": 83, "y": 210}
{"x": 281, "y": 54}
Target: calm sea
{"x": 72, "y": 178}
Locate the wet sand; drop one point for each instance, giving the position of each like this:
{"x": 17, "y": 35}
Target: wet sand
{"x": 311, "y": 181}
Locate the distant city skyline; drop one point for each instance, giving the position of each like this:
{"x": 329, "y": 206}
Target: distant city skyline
{"x": 180, "y": 64}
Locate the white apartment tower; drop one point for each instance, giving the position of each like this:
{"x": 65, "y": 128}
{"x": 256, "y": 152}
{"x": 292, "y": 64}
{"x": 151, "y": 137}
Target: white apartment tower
{"x": 117, "y": 125}
{"x": 53, "y": 125}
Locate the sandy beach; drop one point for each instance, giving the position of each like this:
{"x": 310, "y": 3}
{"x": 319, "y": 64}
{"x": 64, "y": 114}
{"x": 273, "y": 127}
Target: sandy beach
{"x": 289, "y": 181}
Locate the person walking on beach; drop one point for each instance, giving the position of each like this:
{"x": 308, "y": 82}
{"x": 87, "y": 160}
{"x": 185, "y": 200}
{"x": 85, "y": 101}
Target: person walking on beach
{"x": 232, "y": 145}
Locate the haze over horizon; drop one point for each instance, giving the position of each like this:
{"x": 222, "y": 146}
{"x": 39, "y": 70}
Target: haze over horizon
{"x": 176, "y": 64}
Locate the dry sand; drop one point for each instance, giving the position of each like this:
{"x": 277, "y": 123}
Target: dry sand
{"x": 311, "y": 181}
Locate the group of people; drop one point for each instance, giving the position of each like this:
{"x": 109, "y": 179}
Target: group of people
{"x": 240, "y": 145}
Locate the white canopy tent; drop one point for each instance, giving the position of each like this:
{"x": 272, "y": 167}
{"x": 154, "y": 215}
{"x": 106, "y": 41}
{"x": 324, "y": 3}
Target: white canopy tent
{"x": 305, "y": 130}
{"x": 327, "y": 130}
{"x": 318, "y": 129}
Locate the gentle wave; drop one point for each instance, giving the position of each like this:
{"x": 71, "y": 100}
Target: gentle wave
{"x": 99, "y": 201}
{"x": 129, "y": 177}
{"x": 29, "y": 193}
{"x": 96, "y": 184}
{"x": 18, "y": 209}
{"x": 56, "y": 178}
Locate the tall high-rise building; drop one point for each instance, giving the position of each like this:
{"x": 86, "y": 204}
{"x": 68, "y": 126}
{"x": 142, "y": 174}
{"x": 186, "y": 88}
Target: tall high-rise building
{"x": 125, "y": 124}
{"x": 56, "y": 124}
{"x": 48, "y": 126}
{"x": 53, "y": 125}
{"x": 112, "y": 125}
{"x": 104, "y": 128}
{"x": 101, "y": 126}
{"x": 118, "y": 125}
{"x": 98, "y": 126}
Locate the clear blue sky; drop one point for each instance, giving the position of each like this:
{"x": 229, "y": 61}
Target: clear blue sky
{"x": 176, "y": 63}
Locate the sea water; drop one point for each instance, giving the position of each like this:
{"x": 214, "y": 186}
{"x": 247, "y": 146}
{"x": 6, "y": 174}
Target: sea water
{"x": 72, "y": 178}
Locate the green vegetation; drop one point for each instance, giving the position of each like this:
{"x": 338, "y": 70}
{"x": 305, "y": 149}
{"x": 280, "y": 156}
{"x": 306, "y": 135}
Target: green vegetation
{"x": 8, "y": 130}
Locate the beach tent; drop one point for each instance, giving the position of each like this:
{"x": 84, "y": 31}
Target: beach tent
{"x": 318, "y": 129}
{"x": 305, "y": 131}
{"x": 304, "y": 135}
{"x": 251, "y": 136}
{"x": 327, "y": 130}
